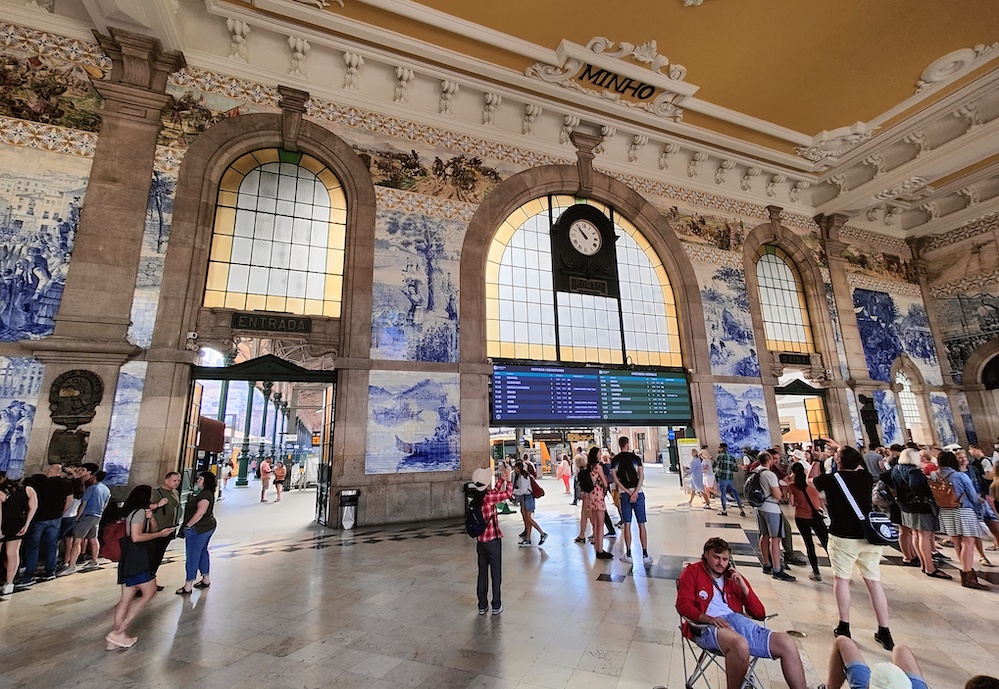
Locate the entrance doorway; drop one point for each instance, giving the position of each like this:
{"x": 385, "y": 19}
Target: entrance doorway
{"x": 255, "y": 406}
{"x": 801, "y": 410}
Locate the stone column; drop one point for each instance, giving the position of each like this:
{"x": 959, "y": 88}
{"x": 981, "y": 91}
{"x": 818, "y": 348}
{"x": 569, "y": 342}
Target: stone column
{"x": 93, "y": 319}
{"x": 244, "y": 454}
{"x": 921, "y": 271}
{"x": 267, "y": 388}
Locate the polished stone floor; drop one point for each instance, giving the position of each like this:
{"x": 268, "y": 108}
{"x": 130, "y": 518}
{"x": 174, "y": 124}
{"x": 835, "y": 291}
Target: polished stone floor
{"x": 295, "y": 605}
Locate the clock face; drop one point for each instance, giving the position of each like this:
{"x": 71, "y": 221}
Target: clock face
{"x": 585, "y": 237}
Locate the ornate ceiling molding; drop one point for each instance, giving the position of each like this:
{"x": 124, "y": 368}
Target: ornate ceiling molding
{"x": 955, "y": 64}
{"x": 834, "y": 144}
{"x": 658, "y": 89}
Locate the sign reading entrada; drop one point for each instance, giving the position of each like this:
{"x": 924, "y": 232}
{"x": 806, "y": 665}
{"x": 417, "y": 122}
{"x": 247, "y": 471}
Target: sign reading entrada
{"x": 617, "y": 83}
{"x": 283, "y": 324}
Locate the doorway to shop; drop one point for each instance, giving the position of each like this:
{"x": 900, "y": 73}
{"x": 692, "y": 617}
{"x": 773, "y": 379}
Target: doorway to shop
{"x": 262, "y": 409}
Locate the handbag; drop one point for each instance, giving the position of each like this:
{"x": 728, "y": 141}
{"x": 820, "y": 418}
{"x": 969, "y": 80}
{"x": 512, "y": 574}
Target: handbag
{"x": 536, "y": 490}
{"x": 134, "y": 556}
{"x": 816, "y": 511}
{"x": 878, "y": 529}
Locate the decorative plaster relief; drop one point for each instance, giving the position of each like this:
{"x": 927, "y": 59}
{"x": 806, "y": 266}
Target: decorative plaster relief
{"x": 448, "y": 89}
{"x": 695, "y": 160}
{"x": 489, "y": 103}
{"x": 669, "y": 150}
{"x": 606, "y": 132}
{"x": 413, "y": 422}
{"x": 746, "y": 184}
{"x": 637, "y": 144}
{"x": 919, "y": 141}
{"x": 604, "y": 67}
{"x": 836, "y": 143}
{"x": 772, "y": 184}
{"x": 723, "y": 168}
{"x": 403, "y": 76}
{"x": 531, "y": 113}
{"x": 906, "y": 188}
{"x": 568, "y": 125}
{"x": 876, "y": 161}
{"x": 239, "y": 32}
{"x": 299, "y": 56}
{"x": 353, "y": 63}
{"x": 952, "y": 65}
{"x": 795, "y": 192}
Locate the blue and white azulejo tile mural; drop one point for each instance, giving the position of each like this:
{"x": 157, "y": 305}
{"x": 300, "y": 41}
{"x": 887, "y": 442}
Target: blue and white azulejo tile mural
{"x": 159, "y": 215}
{"x": 963, "y": 411}
{"x": 742, "y": 415}
{"x": 415, "y": 297}
{"x": 943, "y": 418}
{"x": 851, "y": 402}
{"x": 20, "y": 385}
{"x": 892, "y": 325}
{"x": 413, "y": 422}
{"x": 124, "y": 423}
{"x": 891, "y": 429}
{"x": 39, "y": 212}
{"x": 731, "y": 344}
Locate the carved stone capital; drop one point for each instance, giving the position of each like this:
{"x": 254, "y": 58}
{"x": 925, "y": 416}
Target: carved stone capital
{"x": 292, "y": 108}
{"x": 831, "y": 225}
{"x": 139, "y": 60}
{"x": 585, "y": 145}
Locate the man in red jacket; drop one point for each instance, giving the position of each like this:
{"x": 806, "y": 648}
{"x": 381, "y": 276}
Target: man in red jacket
{"x": 712, "y": 593}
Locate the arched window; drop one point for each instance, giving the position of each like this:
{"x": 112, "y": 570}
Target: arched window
{"x": 782, "y": 299}
{"x": 278, "y": 241}
{"x": 527, "y": 319}
{"x": 907, "y": 401}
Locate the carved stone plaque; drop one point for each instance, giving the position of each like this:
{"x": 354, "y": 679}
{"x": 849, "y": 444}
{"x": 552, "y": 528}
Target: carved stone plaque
{"x": 74, "y": 397}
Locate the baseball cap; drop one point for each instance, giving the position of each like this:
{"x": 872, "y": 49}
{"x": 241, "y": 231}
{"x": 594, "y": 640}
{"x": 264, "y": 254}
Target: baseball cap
{"x": 888, "y": 676}
{"x": 481, "y": 478}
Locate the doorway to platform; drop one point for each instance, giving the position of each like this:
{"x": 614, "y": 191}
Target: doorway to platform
{"x": 252, "y": 411}
{"x": 801, "y": 410}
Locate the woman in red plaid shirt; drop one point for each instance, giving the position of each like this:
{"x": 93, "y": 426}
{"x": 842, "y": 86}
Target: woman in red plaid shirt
{"x": 489, "y": 547}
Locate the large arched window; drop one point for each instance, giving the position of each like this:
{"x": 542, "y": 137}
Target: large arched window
{"x": 522, "y": 307}
{"x": 278, "y": 241}
{"x": 907, "y": 401}
{"x": 782, "y": 299}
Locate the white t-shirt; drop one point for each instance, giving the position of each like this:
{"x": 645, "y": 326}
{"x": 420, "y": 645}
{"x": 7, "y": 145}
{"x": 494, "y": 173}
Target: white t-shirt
{"x": 717, "y": 607}
{"x": 768, "y": 480}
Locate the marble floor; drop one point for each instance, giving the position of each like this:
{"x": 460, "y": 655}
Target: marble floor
{"x": 296, "y": 605}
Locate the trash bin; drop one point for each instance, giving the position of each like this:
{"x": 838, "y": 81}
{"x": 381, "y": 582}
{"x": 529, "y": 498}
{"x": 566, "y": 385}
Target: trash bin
{"x": 348, "y": 507}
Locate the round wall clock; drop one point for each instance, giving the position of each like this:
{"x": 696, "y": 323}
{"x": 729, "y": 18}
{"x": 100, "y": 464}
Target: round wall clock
{"x": 585, "y": 237}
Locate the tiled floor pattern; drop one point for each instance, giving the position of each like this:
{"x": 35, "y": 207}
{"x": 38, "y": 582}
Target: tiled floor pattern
{"x": 295, "y": 605}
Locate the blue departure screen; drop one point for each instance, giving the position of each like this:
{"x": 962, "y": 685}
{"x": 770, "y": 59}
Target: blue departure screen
{"x": 553, "y": 395}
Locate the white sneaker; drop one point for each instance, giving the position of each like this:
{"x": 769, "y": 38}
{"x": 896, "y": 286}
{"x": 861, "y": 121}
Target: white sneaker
{"x": 90, "y": 566}
{"x": 626, "y": 557}
{"x": 69, "y": 570}
{"x": 525, "y": 544}
{"x": 497, "y": 611}
{"x": 7, "y": 589}
{"x": 647, "y": 559}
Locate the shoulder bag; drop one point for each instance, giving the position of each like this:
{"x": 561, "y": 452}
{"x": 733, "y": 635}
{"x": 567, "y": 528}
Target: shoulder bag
{"x": 944, "y": 494}
{"x": 878, "y": 529}
{"x": 819, "y": 514}
{"x": 536, "y": 490}
{"x": 134, "y": 556}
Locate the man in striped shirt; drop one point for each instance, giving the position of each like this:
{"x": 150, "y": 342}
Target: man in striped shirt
{"x": 725, "y": 468}
{"x": 489, "y": 547}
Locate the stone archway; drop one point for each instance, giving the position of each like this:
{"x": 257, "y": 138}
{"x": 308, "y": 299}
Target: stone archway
{"x": 983, "y": 402}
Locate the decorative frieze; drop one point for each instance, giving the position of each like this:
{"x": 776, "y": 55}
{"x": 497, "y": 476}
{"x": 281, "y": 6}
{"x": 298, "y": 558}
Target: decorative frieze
{"x": 855, "y": 234}
{"x": 868, "y": 282}
{"x": 47, "y": 137}
{"x": 56, "y": 47}
{"x": 709, "y": 254}
{"x": 966, "y": 284}
{"x": 987, "y": 223}
{"x": 432, "y": 206}
{"x": 237, "y": 89}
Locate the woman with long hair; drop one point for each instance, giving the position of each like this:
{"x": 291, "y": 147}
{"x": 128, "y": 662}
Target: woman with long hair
{"x": 915, "y": 500}
{"x": 18, "y": 503}
{"x": 707, "y": 468}
{"x": 525, "y": 497}
{"x": 138, "y": 584}
{"x": 961, "y": 522}
{"x": 807, "y": 515}
{"x": 199, "y": 525}
{"x": 595, "y": 505}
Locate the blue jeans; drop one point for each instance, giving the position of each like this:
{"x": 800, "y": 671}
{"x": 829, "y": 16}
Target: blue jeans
{"x": 724, "y": 486}
{"x": 43, "y": 535}
{"x": 196, "y": 547}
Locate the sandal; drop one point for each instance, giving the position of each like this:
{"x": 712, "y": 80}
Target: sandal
{"x": 202, "y": 585}
{"x": 984, "y": 562}
{"x": 183, "y": 591}
{"x": 939, "y": 574}
{"x": 993, "y": 548}
{"x": 580, "y": 540}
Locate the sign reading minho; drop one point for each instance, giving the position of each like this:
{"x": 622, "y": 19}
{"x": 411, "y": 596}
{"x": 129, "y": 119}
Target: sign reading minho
{"x": 284, "y": 324}
{"x": 617, "y": 83}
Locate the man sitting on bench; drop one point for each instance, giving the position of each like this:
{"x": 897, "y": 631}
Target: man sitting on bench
{"x": 711, "y": 593}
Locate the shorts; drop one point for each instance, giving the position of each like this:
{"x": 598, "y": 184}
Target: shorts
{"x": 527, "y": 502}
{"x": 136, "y": 579}
{"x": 844, "y": 553}
{"x": 757, "y": 635}
{"x": 858, "y": 676}
{"x": 86, "y": 526}
{"x": 637, "y": 508}
{"x": 770, "y": 524}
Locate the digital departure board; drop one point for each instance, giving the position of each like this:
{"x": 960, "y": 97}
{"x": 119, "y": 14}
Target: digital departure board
{"x": 553, "y": 395}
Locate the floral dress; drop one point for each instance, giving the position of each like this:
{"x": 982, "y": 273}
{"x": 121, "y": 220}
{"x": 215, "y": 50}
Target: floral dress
{"x": 594, "y": 500}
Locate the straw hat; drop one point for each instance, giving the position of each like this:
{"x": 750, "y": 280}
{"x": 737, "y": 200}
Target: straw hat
{"x": 482, "y": 479}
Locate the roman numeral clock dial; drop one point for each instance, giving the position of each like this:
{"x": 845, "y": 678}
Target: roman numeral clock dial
{"x": 585, "y": 237}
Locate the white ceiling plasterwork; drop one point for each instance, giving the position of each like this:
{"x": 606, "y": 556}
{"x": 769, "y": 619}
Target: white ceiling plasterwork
{"x": 954, "y": 65}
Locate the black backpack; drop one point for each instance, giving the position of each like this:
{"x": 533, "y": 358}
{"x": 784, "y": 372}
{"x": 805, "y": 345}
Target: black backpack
{"x": 585, "y": 480}
{"x": 755, "y": 495}
{"x": 627, "y": 472}
{"x": 475, "y": 522}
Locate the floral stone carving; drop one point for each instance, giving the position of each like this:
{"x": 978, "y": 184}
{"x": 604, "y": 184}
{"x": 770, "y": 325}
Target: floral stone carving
{"x": 74, "y": 397}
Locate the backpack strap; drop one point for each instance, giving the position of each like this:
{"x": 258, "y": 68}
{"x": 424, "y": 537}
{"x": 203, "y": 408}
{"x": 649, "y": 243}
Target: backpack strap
{"x": 849, "y": 497}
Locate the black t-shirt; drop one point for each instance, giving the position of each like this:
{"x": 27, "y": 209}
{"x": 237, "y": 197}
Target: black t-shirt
{"x": 627, "y": 464}
{"x": 52, "y": 492}
{"x": 845, "y": 523}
